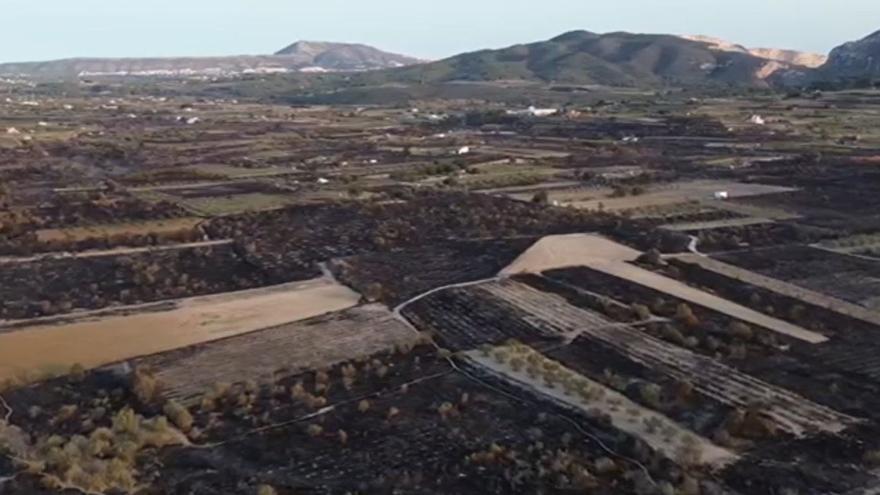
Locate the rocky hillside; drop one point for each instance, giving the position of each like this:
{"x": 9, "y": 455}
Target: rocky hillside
{"x": 855, "y": 60}
{"x": 298, "y": 57}
{"x": 788, "y": 57}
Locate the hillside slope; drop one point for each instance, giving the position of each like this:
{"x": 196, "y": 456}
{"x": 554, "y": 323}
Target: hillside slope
{"x": 345, "y": 56}
{"x": 582, "y": 57}
{"x": 854, "y": 60}
{"x": 789, "y": 57}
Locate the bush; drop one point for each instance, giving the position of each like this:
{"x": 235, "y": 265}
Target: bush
{"x": 145, "y": 386}
{"x": 266, "y": 490}
{"x": 179, "y": 415}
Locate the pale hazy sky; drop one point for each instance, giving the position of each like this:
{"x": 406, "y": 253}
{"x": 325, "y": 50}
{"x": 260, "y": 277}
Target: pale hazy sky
{"x": 49, "y": 29}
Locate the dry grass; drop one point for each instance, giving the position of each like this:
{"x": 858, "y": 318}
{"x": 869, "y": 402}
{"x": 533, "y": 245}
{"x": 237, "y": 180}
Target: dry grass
{"x": 73, "y": 234}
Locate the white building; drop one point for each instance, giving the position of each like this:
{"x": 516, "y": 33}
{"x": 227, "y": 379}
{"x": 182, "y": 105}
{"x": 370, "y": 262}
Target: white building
{"x": 535, "y": 112}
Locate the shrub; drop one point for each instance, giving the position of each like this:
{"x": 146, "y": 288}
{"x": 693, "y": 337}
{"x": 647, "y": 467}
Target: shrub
{"x": 446, "y": 410}
{"x": 145, "y": 386}
{"x": 871, "y": 458}
{"x": 641, "y": 311}
{"x": 298, "y": 391}
{"x": 178, "y": 415}
{"x": 77, "y": 373}
{"x": 604, "y": 465}
{"x": 266, "y": 490}
{"x": 315, "y": 430}
{"x": 740, "y": 330}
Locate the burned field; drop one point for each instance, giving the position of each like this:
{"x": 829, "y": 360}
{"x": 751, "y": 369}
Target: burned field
{"x": 398, "y": 421}
{"x": 646, "y": 297}
{"x": 58, "y": 286}
{"x": 846, "y": 277}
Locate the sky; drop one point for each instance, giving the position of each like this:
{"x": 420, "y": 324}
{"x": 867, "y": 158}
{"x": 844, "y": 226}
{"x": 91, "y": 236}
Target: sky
{"x": 51, "y": 29}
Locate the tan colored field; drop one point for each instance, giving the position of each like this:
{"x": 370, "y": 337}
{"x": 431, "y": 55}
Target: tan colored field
{"x": 238, "y": 172}
{"x": 696, "y": 296}
{"x": 103, "y": 340}
{"x": 716, "y": 224}
{"x": 755, "y": 211}
{"x": 99, "y": 231}
{"x": 560, "y": 251}
{"x": 238, "y": 203}
{"x": 612, "y": 258}
{"x": 679, "y": 192}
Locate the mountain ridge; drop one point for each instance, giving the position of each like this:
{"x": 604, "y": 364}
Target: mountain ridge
{"x": 585, "y": 58}
{"x": 854, "y": 59}
{"x": 301, "y": 56}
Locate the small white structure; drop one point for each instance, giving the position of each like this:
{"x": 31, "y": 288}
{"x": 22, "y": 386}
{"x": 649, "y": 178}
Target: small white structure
{"x": 68, "y": 107}
{"x": 535, "y": 112}
{"x": 757, "y": 120}
{"x": 13, "y": 131}
{"x": 721, "y": 195}
{"x": 542, "y": 112}
{"x": 43, "y": 123}
{"x": 322, "y": 180}
{"x": 630, "y": 139}
{"x": 193, "y": 120}
{"x": 464, "y": 150}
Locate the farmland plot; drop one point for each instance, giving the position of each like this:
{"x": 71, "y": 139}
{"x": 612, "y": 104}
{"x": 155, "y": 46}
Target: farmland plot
{"x": 314, "y": 343}
{"x": 464, "y": 318}
{"x": 574, "y": 390}
{"x": 791, "y": 412}
{"x": 787, "y": 289}
{"x": 96, "y": 341}
{"x": 851, "y": 278}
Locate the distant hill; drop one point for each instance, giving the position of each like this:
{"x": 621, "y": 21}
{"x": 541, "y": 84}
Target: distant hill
{"x": 303, "y": 56}
{"x": 854, "y": 60}
{"x": 585, "y": 58}
{"x": 345, "y": 56}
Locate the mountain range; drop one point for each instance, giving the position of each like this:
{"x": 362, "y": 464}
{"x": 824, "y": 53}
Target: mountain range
{"x": 573, "y": 58}
{"x": 302, "y": 56}
{"x": 586, "y": 58}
